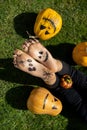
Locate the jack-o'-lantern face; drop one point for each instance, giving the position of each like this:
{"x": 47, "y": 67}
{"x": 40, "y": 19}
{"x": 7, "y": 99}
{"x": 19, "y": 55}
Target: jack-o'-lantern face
{"x": 47, "y": 26}
{"x": 41, "y": 101}
{"x": 48, "y": 23}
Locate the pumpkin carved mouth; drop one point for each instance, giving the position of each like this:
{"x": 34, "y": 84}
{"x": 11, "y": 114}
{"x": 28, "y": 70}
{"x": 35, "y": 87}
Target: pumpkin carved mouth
{"x": 45, "y": 101}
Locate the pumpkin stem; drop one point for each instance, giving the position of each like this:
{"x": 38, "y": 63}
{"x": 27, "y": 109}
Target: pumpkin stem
{"x": 67, "y": 79}
{"x": 30, "y": 36}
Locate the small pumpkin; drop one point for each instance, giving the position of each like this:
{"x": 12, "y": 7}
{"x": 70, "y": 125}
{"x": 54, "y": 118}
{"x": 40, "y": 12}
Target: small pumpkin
{"x": 66, "y": 81}
{"x": 48, "y": 23}
{"x": 41, "y": 101}
{"x": 79, "y": 54}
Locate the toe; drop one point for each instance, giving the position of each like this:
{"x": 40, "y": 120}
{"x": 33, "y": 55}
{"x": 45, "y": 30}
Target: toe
{"x": 17, "y": 52}
{"x": 26, "y": 45}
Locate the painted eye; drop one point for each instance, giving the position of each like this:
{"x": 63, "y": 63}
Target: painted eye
{"x": 42, "y": 27}
{"x": 54, "y": 107}
{"x": 41, "y": 52}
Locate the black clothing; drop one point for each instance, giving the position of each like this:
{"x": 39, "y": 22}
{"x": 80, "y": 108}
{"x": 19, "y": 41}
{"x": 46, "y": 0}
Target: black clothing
{"x": 72, "y": 95}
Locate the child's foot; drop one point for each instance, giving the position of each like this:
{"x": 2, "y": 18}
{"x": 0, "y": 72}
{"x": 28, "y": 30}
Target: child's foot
{"x": 27, "y": 64}
{"x": 41, "y": 54}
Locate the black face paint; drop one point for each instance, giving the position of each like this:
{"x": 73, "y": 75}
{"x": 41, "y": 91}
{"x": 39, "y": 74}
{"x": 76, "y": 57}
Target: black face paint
{"x": 29, "y": 60}
{"x": 40, "y": 57}
{"x": 46, "y": 58}
{"x": 32, "y": 69}
{"x": 45, "y": 101}
{"x": 46, "y": 74}
{"x": 47, "y": 32}
{"x": 40, "y": 52}
{"x": 30, "y": 64}
{"x": 42, "y": 27}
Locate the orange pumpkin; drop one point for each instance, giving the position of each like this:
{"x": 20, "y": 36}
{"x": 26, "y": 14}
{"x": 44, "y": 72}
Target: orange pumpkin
{"x": 41, "y": 101}
{"x": 79, "y": 54}
{"x": 66, "y": 81}
{"x": 48, "y": 23}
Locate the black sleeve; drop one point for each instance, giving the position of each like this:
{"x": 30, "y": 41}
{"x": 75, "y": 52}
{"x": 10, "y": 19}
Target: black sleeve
{"x": 72, "y": 97}
{"x": 67, "y": 69}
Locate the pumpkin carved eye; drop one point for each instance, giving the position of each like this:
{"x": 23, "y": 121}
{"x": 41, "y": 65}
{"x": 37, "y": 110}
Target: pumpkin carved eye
{"x": 55, "y": 99}
{"x": 42, "y": 27}
{"x": 54, "y": 107}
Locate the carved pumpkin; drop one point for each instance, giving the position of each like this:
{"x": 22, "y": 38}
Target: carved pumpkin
{"x": 66, "y": 81}
{"x": 79, "y": 54}
{"x": 41, "y": 101}
{"x": 48, "y": 24}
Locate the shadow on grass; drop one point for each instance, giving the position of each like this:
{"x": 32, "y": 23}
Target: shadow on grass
{"x": 17, "y": 97}
{"x": 25, "y": 22}
{"x": 74, "y": 122}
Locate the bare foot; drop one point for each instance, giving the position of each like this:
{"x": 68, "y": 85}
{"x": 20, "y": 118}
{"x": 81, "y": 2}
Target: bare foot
{"x": 36, "y": 50}
{"x": 27, "y": 64}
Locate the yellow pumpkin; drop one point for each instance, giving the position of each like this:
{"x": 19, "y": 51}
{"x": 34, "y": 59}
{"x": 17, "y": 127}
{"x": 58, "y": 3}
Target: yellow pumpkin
{"x": 41, "y": 101}
{"x": 48, "y": 23}
{"x": 79, "y": 54}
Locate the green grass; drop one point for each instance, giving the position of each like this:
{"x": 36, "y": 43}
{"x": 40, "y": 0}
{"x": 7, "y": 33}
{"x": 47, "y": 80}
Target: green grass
{"x": 14, "y": 89}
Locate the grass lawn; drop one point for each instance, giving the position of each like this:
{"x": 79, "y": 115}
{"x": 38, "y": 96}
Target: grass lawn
{"x": 17, "y": 17}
